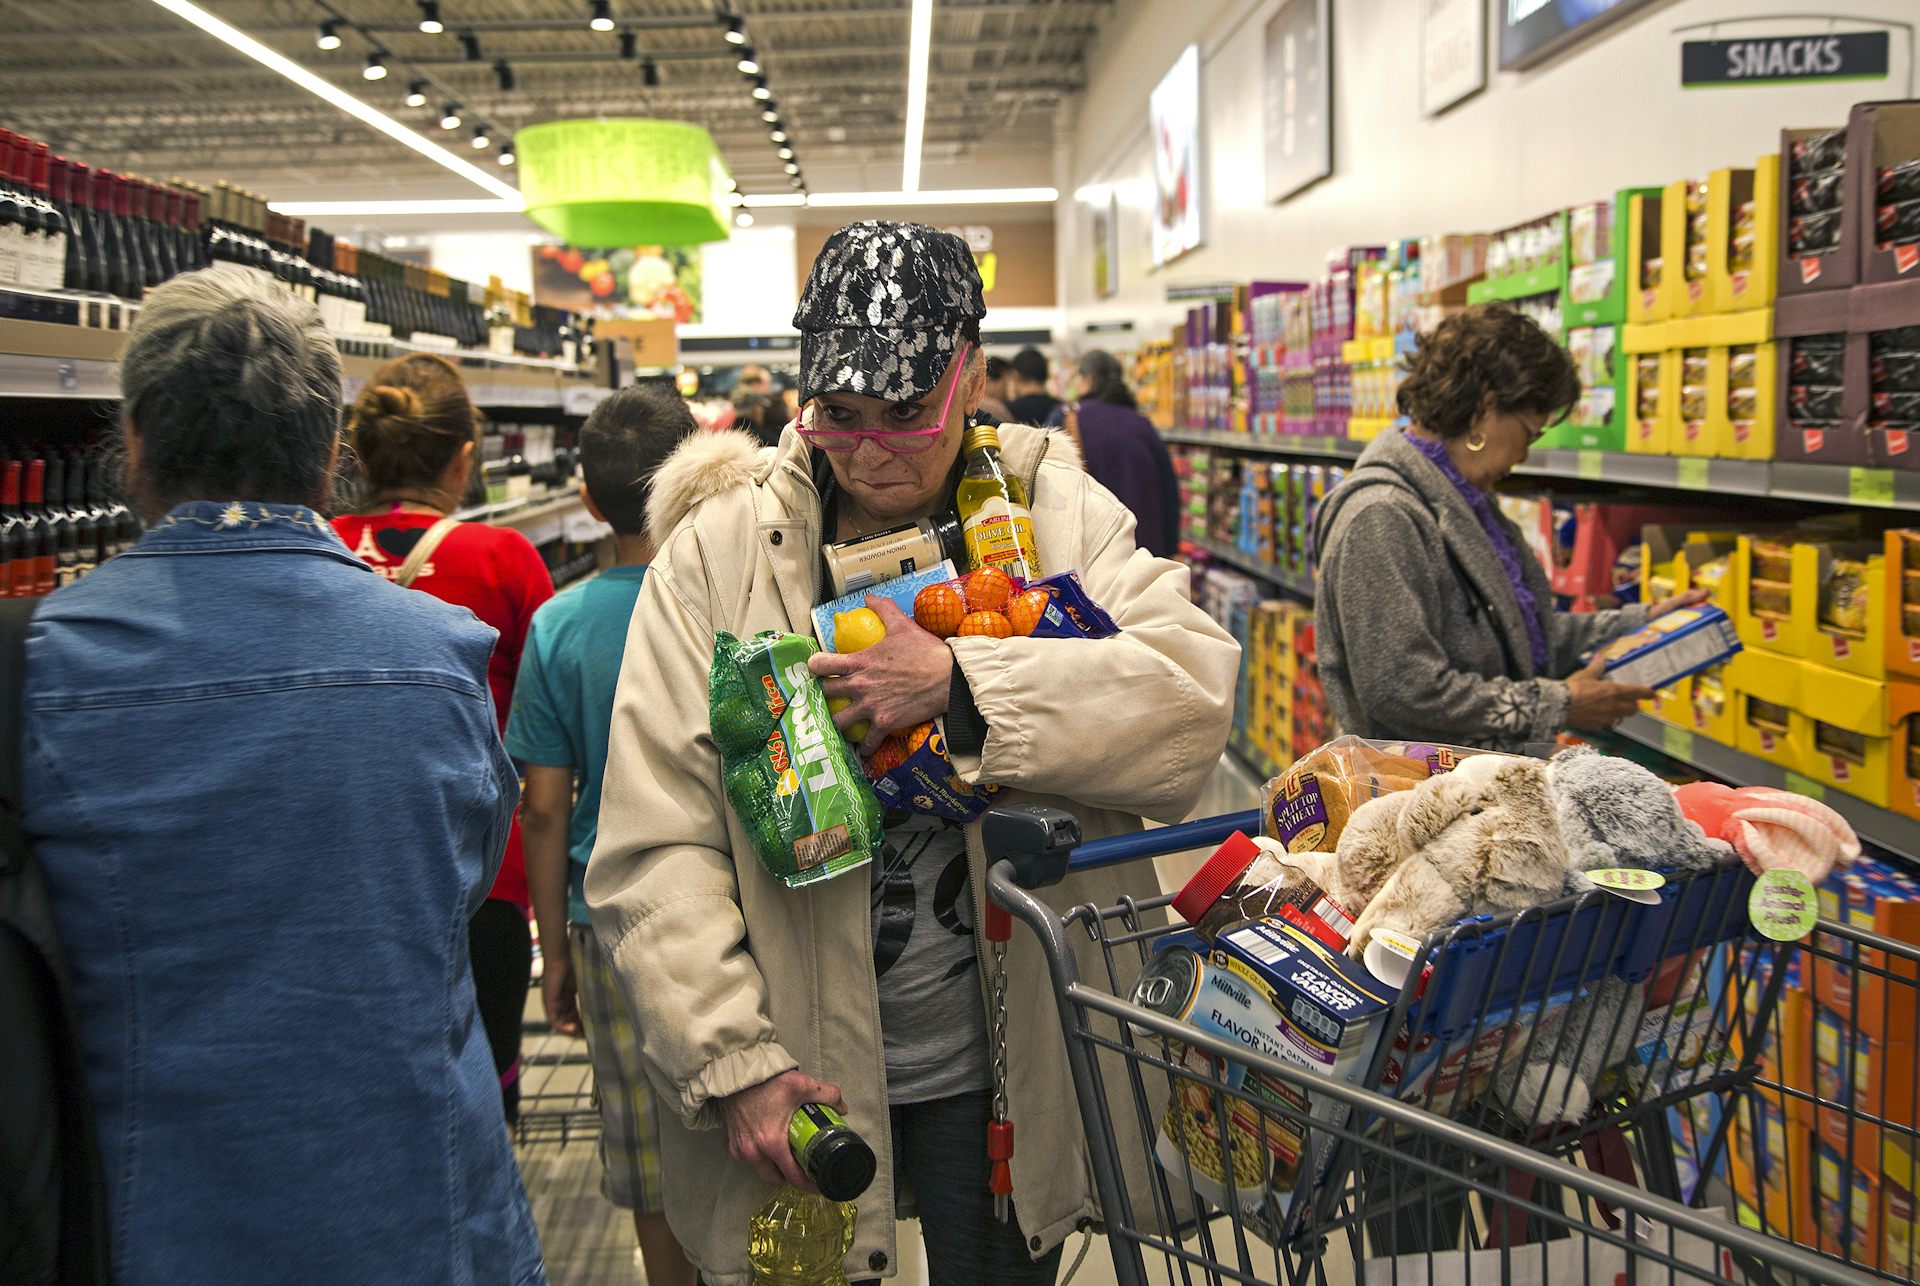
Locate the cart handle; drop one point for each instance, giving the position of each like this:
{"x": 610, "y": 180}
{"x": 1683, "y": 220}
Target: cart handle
{"x": 1043, "y": 844}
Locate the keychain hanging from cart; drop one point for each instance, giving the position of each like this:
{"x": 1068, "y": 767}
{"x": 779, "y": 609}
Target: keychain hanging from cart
{"x": 998, "y": 932}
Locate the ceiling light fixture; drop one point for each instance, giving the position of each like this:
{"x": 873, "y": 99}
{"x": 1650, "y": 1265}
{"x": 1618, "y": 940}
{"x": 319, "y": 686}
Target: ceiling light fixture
{"x": 778, "y": 136}
{"x": 760, "y": 90}
{"x": 771, "y": 115}
{"x": 376, "y": 68}
{"x": 748, "y": 65}
{"x": 793, "y": 167}
{"x": 329, "y": 37}
{"x": 953, "y": 196}
{"x": 506, "y": 156}
{"x": 480, "y": 140}
{"x": 503, "y": 73}
{"x": 430, "y": 17}
{"x": 736, "y": 28}
{"x": 629, "y": 45}
{"x": 650, "y": 74}
{"x": 602, "y": 16}
{"x": 743, "y": 220}
{"x": 470, "y": 46}
{"x": 786, "y": 154}
{"x": 919, "y": 53}
{"x": 236, "y": 39}
{"x": 417, "y": 94}
{"x": 450, "y": 119}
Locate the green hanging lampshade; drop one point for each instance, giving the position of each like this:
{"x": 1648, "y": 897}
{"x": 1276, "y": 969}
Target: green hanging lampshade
{"x": 623, "y": 182}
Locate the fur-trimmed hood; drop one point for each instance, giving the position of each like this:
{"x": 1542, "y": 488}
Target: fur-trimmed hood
{"x": 712, "y": 463}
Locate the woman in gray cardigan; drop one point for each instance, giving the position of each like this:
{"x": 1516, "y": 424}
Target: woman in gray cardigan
{"x": 1434, "y": 621}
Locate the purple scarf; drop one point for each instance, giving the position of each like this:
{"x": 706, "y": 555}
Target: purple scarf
{"x": 1503, "y": 547}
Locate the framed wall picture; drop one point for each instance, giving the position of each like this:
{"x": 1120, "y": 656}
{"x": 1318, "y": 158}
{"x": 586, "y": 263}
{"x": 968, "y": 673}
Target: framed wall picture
{"x": 1173, "y": 114}
{"x": 1453, "y": 52}
{"x": 1299, "y": 96}
{"x": 1106, "y": 247}
{"x": 1534, "y": 30}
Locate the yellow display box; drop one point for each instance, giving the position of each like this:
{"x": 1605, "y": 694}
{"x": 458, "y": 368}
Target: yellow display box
{"x": 1744, "y": 428}
{"x": 1672, "y": 556}
{"x": 1736, "y": 289}
{"x": 1849, "y": 721}
{"x": 1692, "y": 432}
{"x": 1768, "y": 715}
{"x": 1903, "y": 714}
{"x": 1651, "y": 413}
{"x": 1785, "y": 616}
{"x": 1901, "y": 567}
{"x": 1653, "y": 223}
{"x": 1693, "y": 296}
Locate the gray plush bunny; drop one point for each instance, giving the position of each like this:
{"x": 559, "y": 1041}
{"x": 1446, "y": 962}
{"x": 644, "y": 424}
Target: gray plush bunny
{"x": 1614, "y": 813}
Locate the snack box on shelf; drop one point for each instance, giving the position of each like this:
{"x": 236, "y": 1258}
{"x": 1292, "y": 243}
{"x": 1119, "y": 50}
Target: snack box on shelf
{"x": 1883, "y": 162}
{"x": 1598, "y": 267}
{"x": 1655, "y": 220}
{"x": 1874, "y": 897}
{"x": 1820, "y": 375}
{"x": 1831, "y": 605}
{"x": 1846, "y": 1202}
{"x": 1818, "y": 217}
{"x": 1525, "y": 260}
{"x": 1675, "y": 646}
{"x": 1768, "y": 715}
{"x": 1598, "y": 421}
{"x": 1883, "y": 369}
{"x": 1688, "y": 256}
{"x": 1744, "y": 256}
{"x": 1900, "y": 590}
{"x": 1900, "y": 1217}
{"x": 1853, "y": 1068}
{"x": 1850, "y": 731}
{"x": 1903, "y": 700}
{"x": 1653, "y": 388}
{"x": 1675, "y": 557}
{"x": 1770, "y": 1166}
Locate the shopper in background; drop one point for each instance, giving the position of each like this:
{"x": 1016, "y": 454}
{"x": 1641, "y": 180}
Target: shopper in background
{"x": 1124, "y": 452}
{"x": 993, "y": 404}
{"x": 753, "y": 998}
{"x": 753, "y": 378}
{"x": 267, "y": 934}
{"x": 1033, "y": 401}
{"x": 1435, "y": 623}
{"x": 562, "y": 708}
{"x": 417, "y": 438}
{"x": 763, "y": 415}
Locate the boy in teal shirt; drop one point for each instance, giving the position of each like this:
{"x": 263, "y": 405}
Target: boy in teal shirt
{"x": 562, "y": 710}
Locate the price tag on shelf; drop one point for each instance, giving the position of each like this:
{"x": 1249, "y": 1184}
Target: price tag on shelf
{"x": 1690, "y": 473}
{"x": 1676, "y": 742}
{"x": 1634, "y": 885}
{"x": 1590, "y": 464}
{"x": 1783, "y": 906}
{"x": 1870, "y": 487}
{"x": 66, "y": 377}
{"x": 1805, "y": 786}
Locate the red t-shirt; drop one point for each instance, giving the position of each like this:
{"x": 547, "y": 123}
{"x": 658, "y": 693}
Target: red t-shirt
{"x": 494, "y": 572}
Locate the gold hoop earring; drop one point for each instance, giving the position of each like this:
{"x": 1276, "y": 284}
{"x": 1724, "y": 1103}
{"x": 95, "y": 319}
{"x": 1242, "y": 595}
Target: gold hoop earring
{"x": 1476, "y": 443}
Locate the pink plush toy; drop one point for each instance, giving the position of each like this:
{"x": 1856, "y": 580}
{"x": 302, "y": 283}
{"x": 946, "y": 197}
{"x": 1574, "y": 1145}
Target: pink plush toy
{"x": 1771, "y": 828}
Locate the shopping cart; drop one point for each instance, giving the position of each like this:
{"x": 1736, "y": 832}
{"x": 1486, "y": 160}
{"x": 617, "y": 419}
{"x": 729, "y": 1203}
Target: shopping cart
{"x": 1520, "y": 1043}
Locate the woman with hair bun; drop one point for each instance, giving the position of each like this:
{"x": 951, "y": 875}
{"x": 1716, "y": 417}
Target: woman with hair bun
{"x": 416, "y": 434}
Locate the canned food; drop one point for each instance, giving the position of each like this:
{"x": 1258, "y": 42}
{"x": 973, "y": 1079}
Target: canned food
{"x": 867, "y": 561}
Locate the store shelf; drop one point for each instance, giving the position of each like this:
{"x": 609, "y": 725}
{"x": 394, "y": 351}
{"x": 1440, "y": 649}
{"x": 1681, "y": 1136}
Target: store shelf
{"x": 43, "y": 359}
{"x": 514, "y": 513}
{"x": 1300, "y": 587}
{"x": 1828, "y": 484}
{"x": 1878, "y": 826}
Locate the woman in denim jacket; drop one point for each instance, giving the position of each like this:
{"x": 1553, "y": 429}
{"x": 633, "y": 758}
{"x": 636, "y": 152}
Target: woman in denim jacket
{"x": 268, "y": 793}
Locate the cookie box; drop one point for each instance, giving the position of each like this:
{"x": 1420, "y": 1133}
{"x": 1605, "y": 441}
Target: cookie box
{"x": 1675, "y": 646}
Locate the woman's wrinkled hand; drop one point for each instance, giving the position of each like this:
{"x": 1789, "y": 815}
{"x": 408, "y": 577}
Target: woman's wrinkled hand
{"x": 1691, "y": 598}
{"x": 1596, "y": 703}
{"x": 757, "y": 1119}
{"x": 900, "y": 682}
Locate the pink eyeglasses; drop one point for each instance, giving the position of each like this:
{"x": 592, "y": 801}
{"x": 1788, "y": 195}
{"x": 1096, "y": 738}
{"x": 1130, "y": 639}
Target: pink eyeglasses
{"x": 901, "y": 441}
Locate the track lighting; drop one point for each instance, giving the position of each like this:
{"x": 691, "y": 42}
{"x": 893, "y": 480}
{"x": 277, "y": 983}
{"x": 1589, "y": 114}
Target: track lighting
{"x": 470, "y": 46}
{"x": 629, "y": 45}
{"x": 450, "y": 119}
{"x": 793, "y": 167}
{"x": 771, "y": 114}
{"x": 743, "y": 220}
{"x": 748, "y": 65}
{"x": 786, "y": 154}
{"x": 506, "y": 156}
{"x": 329, "y": 37}
{"x": 480, "y": 139}
{"x": 430, "y": 17}
{"x": 376, "y": 68}
{"x": 602, "y": 19}
{"x": 417, "y": 94}
{"x": 760, "y": 90}
{"x": 736, "y": 28}
{"x": 503, "y": 74}
{"x": 650, "y": 73}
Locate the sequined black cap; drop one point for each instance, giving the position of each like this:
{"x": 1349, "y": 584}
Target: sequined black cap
{"x": 883, "y": 310}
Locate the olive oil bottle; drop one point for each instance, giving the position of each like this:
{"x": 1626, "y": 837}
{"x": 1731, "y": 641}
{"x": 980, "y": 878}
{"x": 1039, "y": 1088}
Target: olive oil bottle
{"x": 993, "y": 509}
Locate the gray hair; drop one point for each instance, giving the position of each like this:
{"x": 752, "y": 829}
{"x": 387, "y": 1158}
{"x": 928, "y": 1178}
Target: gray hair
{"x": 233, "y": 387}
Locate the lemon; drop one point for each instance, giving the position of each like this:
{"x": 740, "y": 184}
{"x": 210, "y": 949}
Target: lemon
{"x": 857, "y": 630}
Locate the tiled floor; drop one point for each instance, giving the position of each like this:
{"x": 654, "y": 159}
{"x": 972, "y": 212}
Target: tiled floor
{"x": 589, "y": 1243}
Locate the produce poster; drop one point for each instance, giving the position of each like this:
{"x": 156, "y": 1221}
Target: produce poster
{"x": 640, "y": 281}
{"x": 1174, "y": 118}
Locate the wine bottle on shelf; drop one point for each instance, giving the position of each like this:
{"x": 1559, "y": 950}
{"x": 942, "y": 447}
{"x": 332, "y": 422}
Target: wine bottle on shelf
{"x": 24, "y": 565}
{"x": 77, "y": 542}
{"x": 193, "y": 231}
{"x": 12, "y": 213}
{"x": 163, "y": 208}
{"x": 63, "y": 482}
{"x": 11, "y": 536}
{"x": 30, "y": 246}
{"x": 61, "y": 183}
{"x": 110, "y": 194}
{"x": 100, "y": 511}
{"x": 53, "y": 224}
{"x": 46, "y": 553}
{"x": 139, "y": 198}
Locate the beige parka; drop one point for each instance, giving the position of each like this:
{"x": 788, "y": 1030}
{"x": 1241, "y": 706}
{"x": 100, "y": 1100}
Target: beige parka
{"x": 732, "y": 976}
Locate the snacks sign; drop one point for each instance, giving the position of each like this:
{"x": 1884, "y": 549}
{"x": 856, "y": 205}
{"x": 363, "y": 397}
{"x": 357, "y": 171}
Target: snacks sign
{"x": 1772, "y": 60}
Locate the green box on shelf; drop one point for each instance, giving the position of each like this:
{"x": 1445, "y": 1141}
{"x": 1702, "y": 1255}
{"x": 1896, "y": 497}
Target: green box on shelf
{"x": 1604, "y": 280}
{"x": 1549, "y": 279}
{"x": 1598, "y": 421}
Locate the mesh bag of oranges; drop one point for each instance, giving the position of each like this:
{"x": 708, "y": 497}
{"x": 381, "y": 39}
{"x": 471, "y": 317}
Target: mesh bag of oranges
{"x": 911, "y": 771}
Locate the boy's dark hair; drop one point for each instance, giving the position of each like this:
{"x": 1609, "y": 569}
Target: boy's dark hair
{"x": 1030, "y": 364}
{"x": 1490, "y": 357}
{"x": 627, "y": 438}
{"x": 997, "y": 368}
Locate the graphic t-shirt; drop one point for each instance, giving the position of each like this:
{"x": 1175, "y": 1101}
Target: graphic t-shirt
{"x": 493, "y": 572}
{"x": 563, "y": 701}
{"x": 933, "y": 1022}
